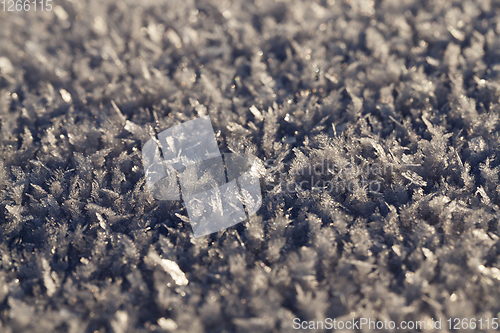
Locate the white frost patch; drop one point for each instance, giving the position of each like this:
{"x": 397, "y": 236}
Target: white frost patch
{"x": 100, "y": 25}
{"x": 167, "y": 324}
{"x": 6, "y": 66}
{"x": 155, "y": 32}
{"x": 175, "y": 272}
{"x": 171, "y": 268}
{"x": 256, "y": 113}
{"x": 120, "y": 322}
{"x": 21, "y": 312}
{"x": 102, "y": 221}
{"x": 492, "y": 272}
{"x": 47, "y": 278}
{"x": 133, "y": 128}
{"x": 65, "y": 95}
{"x": 174, "y": 38}
{"x": 60, "y": 13}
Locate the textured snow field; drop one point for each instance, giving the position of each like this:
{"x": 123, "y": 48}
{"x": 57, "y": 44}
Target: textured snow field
{"x": 401, "y": 95}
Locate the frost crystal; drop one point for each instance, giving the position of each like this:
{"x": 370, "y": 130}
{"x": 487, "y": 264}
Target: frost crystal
{"x": 375, "y": 124}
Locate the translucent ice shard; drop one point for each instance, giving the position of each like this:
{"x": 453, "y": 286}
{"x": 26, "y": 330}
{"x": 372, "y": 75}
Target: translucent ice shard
{"x": 192, "y": 159}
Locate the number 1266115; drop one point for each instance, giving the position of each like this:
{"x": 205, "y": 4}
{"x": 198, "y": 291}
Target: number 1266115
{"x": 26, "y": 5}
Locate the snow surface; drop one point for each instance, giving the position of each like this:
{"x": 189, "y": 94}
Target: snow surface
{"x": 410, "y": 86}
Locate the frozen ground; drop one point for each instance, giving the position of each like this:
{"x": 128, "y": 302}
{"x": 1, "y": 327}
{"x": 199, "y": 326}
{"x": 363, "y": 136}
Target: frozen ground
{"x": 412, "y": 86}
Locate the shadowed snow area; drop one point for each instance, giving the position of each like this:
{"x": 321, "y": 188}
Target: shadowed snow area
{"x": 375, "y": 131}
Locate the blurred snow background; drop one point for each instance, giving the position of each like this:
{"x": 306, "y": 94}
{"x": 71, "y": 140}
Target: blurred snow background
{"x": 413, "y": 85}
